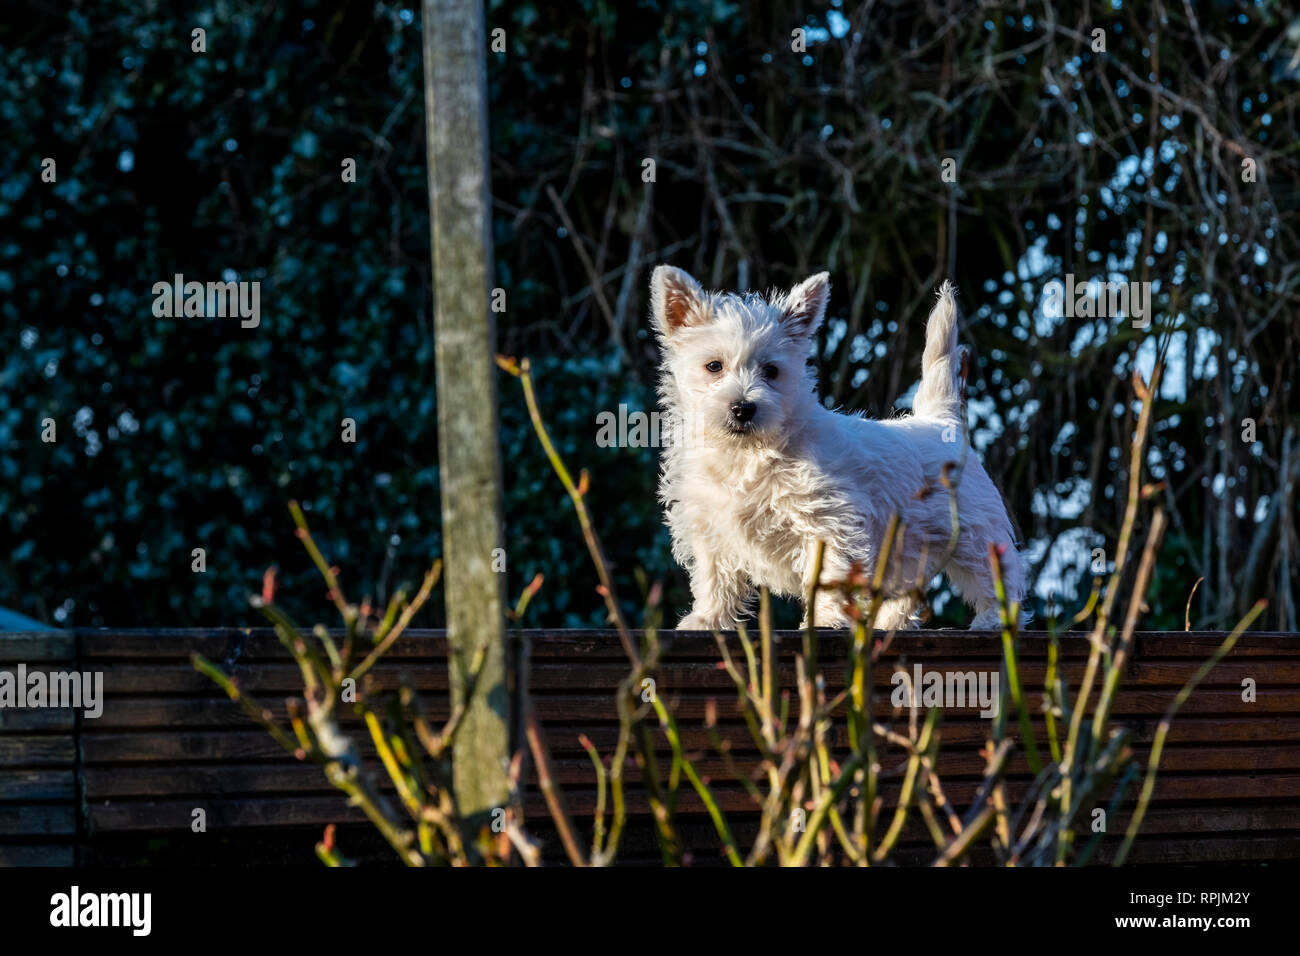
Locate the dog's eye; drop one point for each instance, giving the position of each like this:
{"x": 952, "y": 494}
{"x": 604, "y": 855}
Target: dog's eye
{"x": 715, "y": 366}
{"x": 770, "y": 371}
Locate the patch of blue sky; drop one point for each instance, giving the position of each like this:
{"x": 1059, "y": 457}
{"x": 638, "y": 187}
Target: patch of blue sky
{"x": 1063, "y": 562}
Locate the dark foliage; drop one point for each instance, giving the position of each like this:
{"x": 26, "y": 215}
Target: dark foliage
{"x": 176, "y": 434}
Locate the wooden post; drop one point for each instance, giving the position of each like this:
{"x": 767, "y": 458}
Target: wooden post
{"x": 455, "y": 99}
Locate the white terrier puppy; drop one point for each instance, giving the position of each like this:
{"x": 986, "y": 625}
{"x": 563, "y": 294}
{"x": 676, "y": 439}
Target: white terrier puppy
{"x": 759, "y": 471}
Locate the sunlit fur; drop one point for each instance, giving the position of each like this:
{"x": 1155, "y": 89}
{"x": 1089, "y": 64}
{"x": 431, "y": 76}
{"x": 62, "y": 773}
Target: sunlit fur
{"x": 746, "y": 508}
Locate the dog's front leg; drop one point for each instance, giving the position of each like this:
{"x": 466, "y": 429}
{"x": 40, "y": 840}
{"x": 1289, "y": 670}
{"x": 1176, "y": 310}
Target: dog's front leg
{"x": 720, "y": 595}
{"x": 828, "y": 605}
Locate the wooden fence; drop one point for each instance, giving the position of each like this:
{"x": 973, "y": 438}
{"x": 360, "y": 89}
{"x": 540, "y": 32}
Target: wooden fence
{"x": 124, "y": 787}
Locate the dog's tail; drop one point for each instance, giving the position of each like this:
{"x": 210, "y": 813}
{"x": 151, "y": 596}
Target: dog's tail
{"x": 940, "y": 394}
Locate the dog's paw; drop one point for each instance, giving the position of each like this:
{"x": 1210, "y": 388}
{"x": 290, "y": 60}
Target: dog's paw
{"x": 987, "y": 620}
{"x": 835, "y": 622}
{"x": 695, "y": 622}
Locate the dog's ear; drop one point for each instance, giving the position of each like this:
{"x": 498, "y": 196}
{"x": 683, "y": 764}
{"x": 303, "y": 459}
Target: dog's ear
{"x": 805, "y": 306}
{"x": 676, "y": 301}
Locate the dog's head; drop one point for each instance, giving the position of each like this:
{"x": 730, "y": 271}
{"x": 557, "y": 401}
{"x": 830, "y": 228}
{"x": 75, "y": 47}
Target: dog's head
{"x": 738, "y": 363}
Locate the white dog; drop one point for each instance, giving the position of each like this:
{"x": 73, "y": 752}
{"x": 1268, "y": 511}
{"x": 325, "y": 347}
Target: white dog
{"x": 760, "y": 471}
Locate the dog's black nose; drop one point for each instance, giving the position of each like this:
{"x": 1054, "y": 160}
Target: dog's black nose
{"x": 743, "y": 412}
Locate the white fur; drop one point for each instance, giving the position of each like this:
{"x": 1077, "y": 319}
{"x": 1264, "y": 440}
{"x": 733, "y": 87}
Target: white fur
{"x": 747, "y": 509}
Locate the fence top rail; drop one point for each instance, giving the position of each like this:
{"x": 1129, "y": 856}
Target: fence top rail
{"x": 831, "y": 641}
{"x": 589, "y": 634}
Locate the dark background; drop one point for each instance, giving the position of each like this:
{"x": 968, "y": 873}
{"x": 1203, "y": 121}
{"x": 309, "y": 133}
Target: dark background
{"x": 770, "y": 165}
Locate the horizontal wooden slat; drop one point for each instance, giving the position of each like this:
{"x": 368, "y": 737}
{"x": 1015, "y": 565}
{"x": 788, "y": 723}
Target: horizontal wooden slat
{"x": 969, "y": 731}
{"x": 1158, "y": 850}
{"x": 1280, "y": 787}
{"x": 160, "y": 815}
{"x": 245, "y": 766}
{"x": 596, "y": 644}
{"x": 1272, "y": 675}
{"x": 176, "y": 714}
{"x": 253, "y": 679}
{"x": 691, "y": 706}
{"x": 1218, "y": 848}
{"x": 959, "y": 746}
{"x": 38, "y": 855}
{"x": 248, "y": 846}
{"x": 1134, "y": 703}
{"x": 27, "y": 719}
{"x": 37, "y": 785}
{"x": 260, "y": 646}
{"x": 30, "y": 647}
{"x": 36, "y": 751}
{"x": 37, "y": 820}
{"x": 1180, "y": 825}
{"x": 1172, "y": 822}
{"x": 210, "y": 780}
{"x": 1207, "y": 822}
{"x": 267, "y": 810}
{"x": 171, "y": 747}
{"x": 957, "y": 739}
